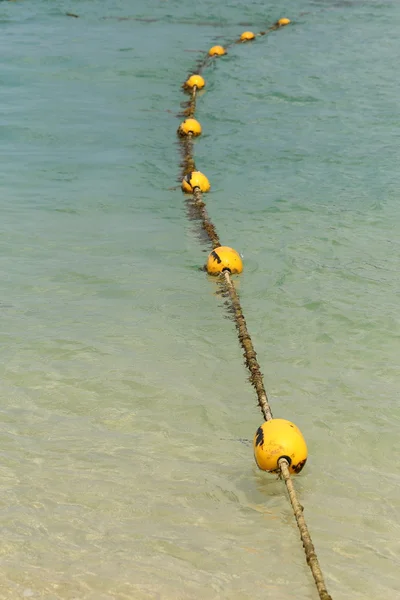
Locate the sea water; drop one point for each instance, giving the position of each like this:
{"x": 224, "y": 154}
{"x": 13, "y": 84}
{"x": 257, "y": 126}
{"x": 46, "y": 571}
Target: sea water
{"x": 126, "y": 414}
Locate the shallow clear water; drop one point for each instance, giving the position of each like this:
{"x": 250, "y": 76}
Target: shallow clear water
{"x": 125, "y": 407}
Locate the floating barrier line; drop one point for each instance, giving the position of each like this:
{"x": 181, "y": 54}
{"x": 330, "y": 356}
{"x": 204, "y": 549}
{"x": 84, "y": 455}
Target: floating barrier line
{"x": 188, "y": 166}
{"x": 196, "y": 184}
{"x": 205, "y": 62}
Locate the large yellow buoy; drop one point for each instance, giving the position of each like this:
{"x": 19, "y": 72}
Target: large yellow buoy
{"x": 194, "y": 81}
{"x": 282, "y": 22}
{"x": 224, "y": 259}
{"x": 189, "y": 126}
{"x": 217, "y": 51}
{"x": 277, "y": 439}
{"x": 247, "y": 36}
{"x": 193, "y": 180}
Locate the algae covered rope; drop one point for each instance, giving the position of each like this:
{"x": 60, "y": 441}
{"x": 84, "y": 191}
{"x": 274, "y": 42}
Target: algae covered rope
{"x": 188, "y": 164}
{"x": 217, "y": 51}
{"x": 206, "y": 222}
{"x": 191, "y": 103}
{"x": 280, "y": 23}
{"x": 311, "y": 555}
{"x": 250, "y": 354}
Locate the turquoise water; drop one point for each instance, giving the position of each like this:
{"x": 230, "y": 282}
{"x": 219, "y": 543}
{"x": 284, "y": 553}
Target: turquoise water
{"x": 125, "y": 471}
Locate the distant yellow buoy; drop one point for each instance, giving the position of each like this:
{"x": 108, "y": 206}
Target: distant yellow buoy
{"x": 217, "y": 51}
{"x": 189, "y": 126}
{"x": 247, "y": 36}
{"x": 194, "y": 81}
{"x": 193, "y": 180}
{"x": 282, "y": 22}
{"x": 277, "y": 439}
{"x": 224, "y": 259}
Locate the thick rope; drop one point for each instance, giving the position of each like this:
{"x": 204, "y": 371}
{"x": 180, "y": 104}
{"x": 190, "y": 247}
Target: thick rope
{"x": 187, "y": 164}
{"x": 311, "y": 555}
{"x": 197, "y": 202}
{"x": 249, "y": 353}
{"x": 272, "y": 28}
{"x": 206, "y": 222}
{"x": 191, "y": 104}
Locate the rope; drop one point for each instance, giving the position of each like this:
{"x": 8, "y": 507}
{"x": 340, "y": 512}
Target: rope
{"x": 206, "y": 222}
{"x": 187, "y": 164}
{"x": 311, "y": 555}
{"x": 191, "y": 104}
{"x": 207, "y": 60}
{"x": 249, "y": 353}
{"x": 198, "y": 204}
{"x": 272, "y": 28}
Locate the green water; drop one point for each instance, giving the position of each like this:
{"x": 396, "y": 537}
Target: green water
{"x": 125, "y": 471}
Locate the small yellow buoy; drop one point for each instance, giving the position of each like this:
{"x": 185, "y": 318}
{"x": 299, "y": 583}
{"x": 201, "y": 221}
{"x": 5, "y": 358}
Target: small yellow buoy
{"x": 282, "y": 22}
{"x": 193, "y": 180}
{"x": 277, "y": 439}
{"x": 217, "y": 51}
{"x": 247, "y": 36}
{"x": 189, "y": 126}
{"x": 194, "y": 81}
{"x": 223, "y": 259}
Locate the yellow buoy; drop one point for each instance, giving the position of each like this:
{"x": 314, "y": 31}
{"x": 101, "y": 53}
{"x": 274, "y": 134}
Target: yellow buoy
{"x": 282, "y": 22}
{"x": 223, "y": 259}
{"x": 217, "y": 51}
{"x": 247, "y": 36}
{"x": 189, "y": 126}
{"x": 194, "y": 81}
{"x": 277, "y": 439}
{"x": 193, "y": 180}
